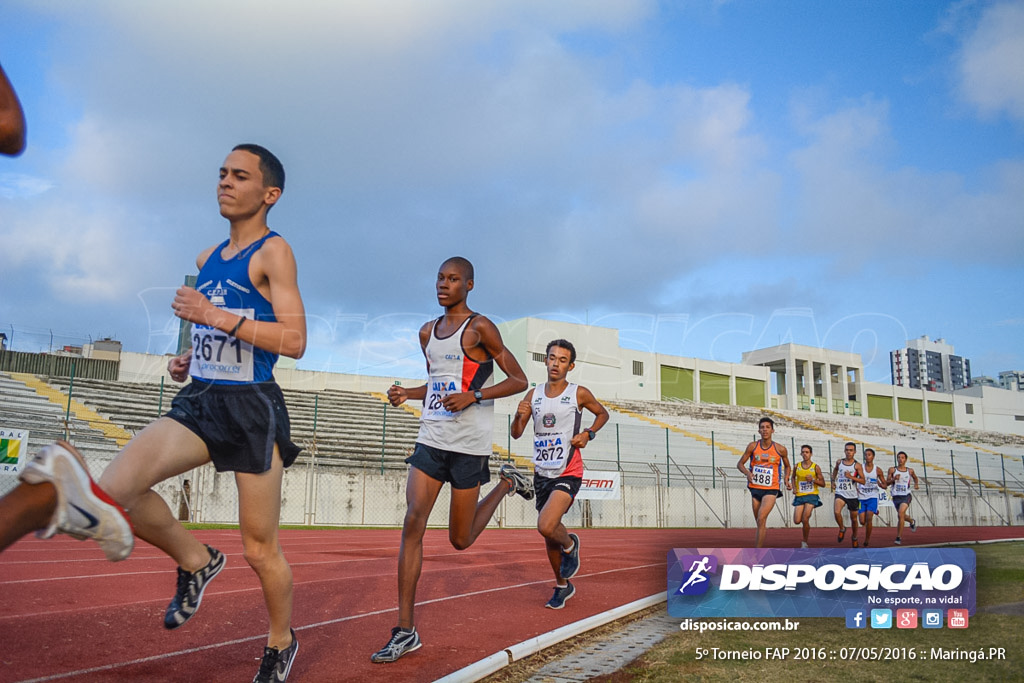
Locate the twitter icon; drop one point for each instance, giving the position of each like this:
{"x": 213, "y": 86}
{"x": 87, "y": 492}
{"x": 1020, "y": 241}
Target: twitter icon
{"x": 881, "y": 618}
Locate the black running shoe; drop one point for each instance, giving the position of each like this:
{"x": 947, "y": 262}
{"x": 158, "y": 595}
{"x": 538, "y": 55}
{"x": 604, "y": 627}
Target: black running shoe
{"x": 401, "y": 643}
{"x": 190, "y": 590}
{"x": 523, "y": 486}
{"x": 562, "y": 593}
{"x": 277, "y": 664}
{"x": 570, "y": 563}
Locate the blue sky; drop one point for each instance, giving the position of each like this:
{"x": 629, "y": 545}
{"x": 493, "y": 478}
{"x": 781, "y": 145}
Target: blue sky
{"x": 709, "y": 177}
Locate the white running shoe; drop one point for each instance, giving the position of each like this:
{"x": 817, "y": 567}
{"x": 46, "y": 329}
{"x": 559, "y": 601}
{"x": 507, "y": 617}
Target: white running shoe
{"x": 83, "y": 510}
{"x": 520, "y": 484}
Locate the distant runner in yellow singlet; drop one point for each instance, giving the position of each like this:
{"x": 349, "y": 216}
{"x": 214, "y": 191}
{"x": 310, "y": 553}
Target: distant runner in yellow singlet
{"x": 807, "y": 478}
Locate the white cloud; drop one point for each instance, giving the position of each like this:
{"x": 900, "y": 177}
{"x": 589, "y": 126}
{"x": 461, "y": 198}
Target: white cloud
{"x": 415, "y": 130}
{"x": 991, "y": 62}
{"x": 20, "y": 185}
{"x": 854, "y": 204}
{"x": 58, "y": 252}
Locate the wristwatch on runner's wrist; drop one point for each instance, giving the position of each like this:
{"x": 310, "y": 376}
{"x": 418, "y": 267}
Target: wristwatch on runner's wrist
{"x": 591, "y": 433}
{"x": 478, "y": 395}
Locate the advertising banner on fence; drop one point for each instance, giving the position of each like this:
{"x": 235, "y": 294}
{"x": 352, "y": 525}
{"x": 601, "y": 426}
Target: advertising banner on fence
{"x": 796, "y": 582}
{"x": 600, "y": 486}
{"x": 13, "y": 447}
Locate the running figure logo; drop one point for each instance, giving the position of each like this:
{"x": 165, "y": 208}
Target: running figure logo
{"x": 696, "y": 580}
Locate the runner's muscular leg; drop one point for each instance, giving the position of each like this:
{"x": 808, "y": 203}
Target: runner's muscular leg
{"x": 806, "y": 521}
{"x": 755, "y": 506}
{"x": 550, "y": 526}
{"x": 467, "y": 518}
{"x": 765, "y": 509}
{"x": 162, "y": 450}
{"x": 27, "y": 508}
{"x": 906, "y": 513}
{"x": 420, "y": 495}
{"x": 259, "y": 517}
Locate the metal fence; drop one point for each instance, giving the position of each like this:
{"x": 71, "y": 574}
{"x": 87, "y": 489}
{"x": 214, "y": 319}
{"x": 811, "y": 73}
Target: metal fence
{"x": 324, "y": 494}
{"x": 352, "y": 471}
{"x": 53, "y": 365}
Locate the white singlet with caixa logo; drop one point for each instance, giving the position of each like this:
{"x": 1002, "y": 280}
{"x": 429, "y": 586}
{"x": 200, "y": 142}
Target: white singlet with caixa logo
{"x": 449, "y": 371}
{"x": 555, "y": 421}
{"x": 846, "y": 487}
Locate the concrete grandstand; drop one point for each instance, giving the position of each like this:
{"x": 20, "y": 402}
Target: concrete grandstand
{"x": 676, "y": 455}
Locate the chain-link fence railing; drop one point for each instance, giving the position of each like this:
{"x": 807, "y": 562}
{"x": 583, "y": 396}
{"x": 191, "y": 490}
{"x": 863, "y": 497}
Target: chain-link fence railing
{"x": 352, "y": 471}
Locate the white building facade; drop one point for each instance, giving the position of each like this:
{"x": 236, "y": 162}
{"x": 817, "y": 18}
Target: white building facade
{"x": 1012, "y": 380}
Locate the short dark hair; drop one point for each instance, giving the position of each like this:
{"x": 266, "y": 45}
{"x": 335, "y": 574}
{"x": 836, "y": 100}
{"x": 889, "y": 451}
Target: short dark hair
{"x": 850, "y": 443}
{"x": 766, "y": 419}
{"x": 462, "y": 264}
{"x": 869, "y": 450}
{"x": 808, "y": 447}
{"x": 270, "y": 165}
{"x": 562, "y": 344}
{"x": 903, "y": 453}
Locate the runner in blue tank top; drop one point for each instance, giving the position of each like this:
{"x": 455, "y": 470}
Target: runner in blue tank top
{"x": 245, "y": 311}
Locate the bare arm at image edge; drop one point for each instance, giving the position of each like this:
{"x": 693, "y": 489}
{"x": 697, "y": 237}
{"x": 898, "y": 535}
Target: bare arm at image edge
{"x": 12, "y": 119}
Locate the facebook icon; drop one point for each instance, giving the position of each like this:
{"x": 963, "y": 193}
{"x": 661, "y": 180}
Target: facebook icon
{"x": 856, "y": 618}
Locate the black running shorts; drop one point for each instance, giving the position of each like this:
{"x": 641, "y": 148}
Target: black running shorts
{"x": 543, "y": 487}
{"x": 759, "y": 494}
{"x": 239, "y": 423}
{"x": 460, "y": 470}
{"x": 852, "y": 504}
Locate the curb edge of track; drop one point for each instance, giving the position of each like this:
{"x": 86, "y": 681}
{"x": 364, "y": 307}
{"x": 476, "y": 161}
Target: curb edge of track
{"x": 947, "y": 544}
{"x": 513, "y": 653}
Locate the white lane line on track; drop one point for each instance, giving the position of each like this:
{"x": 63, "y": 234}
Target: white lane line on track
{"x": 358, "y": 577}
{"x": 287, "y": 548}
{"x": 427, "y": 555}
{"x": 329, "y": 622}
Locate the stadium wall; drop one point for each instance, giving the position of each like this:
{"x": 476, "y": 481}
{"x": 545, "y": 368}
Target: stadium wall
{"x": 990, "y": 408}
{"x": 613, "y": 372}
{"x": 317, "y": 494}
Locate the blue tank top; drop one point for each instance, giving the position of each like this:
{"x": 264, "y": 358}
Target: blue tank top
{"x": 217, "y": 356}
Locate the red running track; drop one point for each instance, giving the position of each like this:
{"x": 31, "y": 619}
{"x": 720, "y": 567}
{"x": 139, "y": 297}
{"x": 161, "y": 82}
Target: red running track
{"x": 70, "y": 615}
